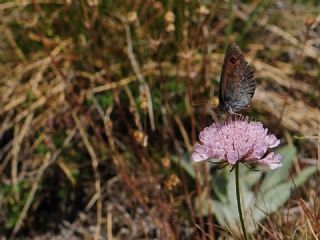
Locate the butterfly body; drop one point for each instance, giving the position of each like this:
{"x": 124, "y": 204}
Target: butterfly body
{"x": 237, "y": 84}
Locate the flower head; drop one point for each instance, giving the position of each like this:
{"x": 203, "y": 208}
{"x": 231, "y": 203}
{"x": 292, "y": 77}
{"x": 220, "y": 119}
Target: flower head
{"x": 237, "y": 140}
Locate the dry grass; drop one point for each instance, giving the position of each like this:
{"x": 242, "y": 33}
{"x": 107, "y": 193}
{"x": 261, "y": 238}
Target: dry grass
{"x": 96, "y": 99}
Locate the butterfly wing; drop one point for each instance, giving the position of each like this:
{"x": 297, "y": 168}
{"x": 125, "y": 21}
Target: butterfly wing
{"x": 236, "y": 83}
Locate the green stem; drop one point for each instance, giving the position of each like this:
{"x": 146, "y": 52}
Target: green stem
{"x": 239, "y": 202}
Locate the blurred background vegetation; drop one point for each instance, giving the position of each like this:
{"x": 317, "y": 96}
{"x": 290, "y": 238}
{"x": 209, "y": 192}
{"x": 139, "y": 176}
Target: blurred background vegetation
{"x": 97, "y": 120}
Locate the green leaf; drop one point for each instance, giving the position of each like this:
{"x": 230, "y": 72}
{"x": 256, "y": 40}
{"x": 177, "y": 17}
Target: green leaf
{"x": 105, "y": 99}
{"x": 276, "y": 197}
{"x": 304, "y": 175}
{"x": 186, "y": 165}
{"x": 231, "y": 191}
{"x": 218, "y": 210}
{"x": 250, "y": 177}
{"x": 247, "y": 196}
{"x": 276, "y": 176}
{"x": 175, "y": 86}
{"x": 270, "y": 201}
{"x": 225, "y": 216}
{"x": 202, "y": 204}
{"x": 219, "y": 182}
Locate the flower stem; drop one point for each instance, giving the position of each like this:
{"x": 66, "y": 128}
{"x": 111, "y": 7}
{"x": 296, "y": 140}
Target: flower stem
{"x": 239, "y": 202}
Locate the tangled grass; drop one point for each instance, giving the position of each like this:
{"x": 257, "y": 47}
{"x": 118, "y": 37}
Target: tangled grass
{"x": 96, "y": 102}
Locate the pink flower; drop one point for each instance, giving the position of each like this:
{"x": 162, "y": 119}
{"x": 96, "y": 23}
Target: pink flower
{"x": 237, "y": 140}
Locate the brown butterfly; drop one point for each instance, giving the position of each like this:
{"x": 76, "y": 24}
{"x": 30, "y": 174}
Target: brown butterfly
{"x": 237, "y": 85}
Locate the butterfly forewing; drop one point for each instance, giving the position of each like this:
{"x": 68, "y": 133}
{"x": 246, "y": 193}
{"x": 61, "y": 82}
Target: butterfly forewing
{"x": 236, "y": 83}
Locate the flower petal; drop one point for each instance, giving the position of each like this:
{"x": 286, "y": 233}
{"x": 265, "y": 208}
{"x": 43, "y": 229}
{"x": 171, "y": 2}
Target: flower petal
{"x": 201, "y": 153}
{"x": 232, "y": 157}
{"x": 272, "y": 141}
{"x": 198, "y": 157}
{"x": 272, "y": 160}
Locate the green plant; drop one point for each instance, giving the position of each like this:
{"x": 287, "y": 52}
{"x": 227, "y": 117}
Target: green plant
{"x": 262, "y": 194}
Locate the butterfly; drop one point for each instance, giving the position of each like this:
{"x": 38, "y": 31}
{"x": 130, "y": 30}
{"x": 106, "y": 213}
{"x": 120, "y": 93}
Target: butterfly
{"x": 237, "y": 84}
